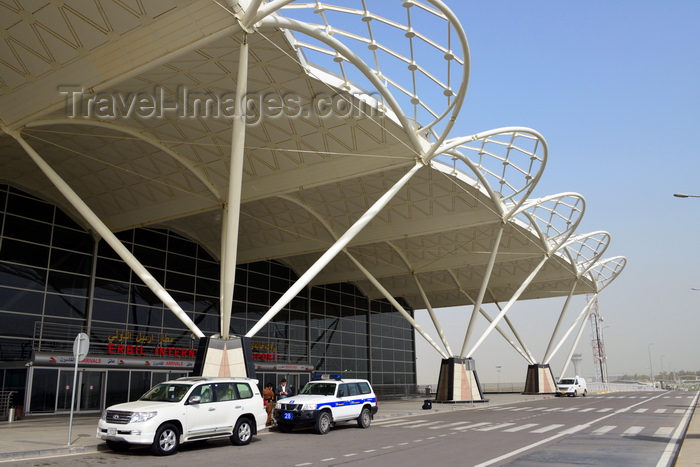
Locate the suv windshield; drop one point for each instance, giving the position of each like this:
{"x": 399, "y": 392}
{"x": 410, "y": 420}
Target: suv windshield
{"x": 166, "y": 392}
{"x": 567, "y": 381}
{"x": 322, "y": 389}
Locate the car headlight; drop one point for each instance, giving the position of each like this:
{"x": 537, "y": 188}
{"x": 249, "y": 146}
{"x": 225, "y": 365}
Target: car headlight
{"x": 278, "y": 405}
{"x": 308, "y": 407}
{"x": 104, "y": 415}
{"x": 137, "y": 417}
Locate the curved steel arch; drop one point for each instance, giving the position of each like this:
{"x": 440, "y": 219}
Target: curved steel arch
{"x": 378, "y": 78}
{"x": 496, "y": 159}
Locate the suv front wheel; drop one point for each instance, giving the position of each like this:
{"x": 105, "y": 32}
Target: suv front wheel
{"x": 166, "y": 440}
{"x": 323, "y": 423}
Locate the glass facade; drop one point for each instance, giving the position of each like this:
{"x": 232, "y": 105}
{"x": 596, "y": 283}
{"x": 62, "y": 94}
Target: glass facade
{"x": 57, "y": 280}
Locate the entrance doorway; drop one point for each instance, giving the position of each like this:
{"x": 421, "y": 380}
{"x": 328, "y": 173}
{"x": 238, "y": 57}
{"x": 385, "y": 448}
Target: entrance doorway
{"x": 295, "y": 381}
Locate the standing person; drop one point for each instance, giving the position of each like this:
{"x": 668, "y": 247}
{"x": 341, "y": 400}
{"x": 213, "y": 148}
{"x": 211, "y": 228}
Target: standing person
{"x": 283, "y": 390}
{"x": 269, "y": 396}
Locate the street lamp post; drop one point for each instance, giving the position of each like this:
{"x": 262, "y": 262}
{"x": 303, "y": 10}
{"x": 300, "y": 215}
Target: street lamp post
{"x": 498, "y": 370}
{"x": 651, "y": 370}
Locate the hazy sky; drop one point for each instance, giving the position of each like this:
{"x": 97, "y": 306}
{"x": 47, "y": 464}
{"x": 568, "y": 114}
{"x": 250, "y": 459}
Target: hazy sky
{"x": 614, "y": 87}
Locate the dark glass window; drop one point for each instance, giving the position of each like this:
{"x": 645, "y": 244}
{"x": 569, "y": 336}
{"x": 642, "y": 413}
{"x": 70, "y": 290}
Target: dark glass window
{"x": 65, "y": 306}
{"x": 146, "y": 316}
{"x": 109, "y": 311}
{"x": 207, "y": 287}
{"x": 24, "y": 205}
{"x": 111, "y": 290}
{"x": 43, "y": 396}
{"x": 117, "y": 387}
{"x": 181, "y": 246}
{"x": 23, "y": 301}
{"x": 150, "y": 257}
{"x": 62, "y": 282}
{"x": 113, "y": 269}
{"x": 175, "y": 281}
{"x": 19, "y": 325}
{"x": 140, "y": 383}
{"x": 27, "y": 229}
{"x": 13, "y": 275}
{"x": 210, "y": 270}
{"x": 72, "y": 240}
{"x": 69, "y": 261}
{"x": 150, "y": 238}
{"x": 24, "y": 253}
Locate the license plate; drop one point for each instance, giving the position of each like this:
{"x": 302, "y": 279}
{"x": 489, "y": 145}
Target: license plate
{"x": 111, "y": 431}
{"x": 287, "y": 415}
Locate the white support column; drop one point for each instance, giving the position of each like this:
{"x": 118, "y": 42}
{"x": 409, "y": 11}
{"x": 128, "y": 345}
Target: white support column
{"x": 431, "y": 312}
{"x": 579, "y": 318}
{"x": 232, "y": 209}
{"x": 505, "y": 309}
{"x": 559, "y": 322}
{"x": 517, "y": 335}
{"x": 107, "y": 235}
{"x": 522, "y": 350}
{"x": 336, "y": 248}
{"x": 396, "y": 304}
{"x": 484, "y": 285}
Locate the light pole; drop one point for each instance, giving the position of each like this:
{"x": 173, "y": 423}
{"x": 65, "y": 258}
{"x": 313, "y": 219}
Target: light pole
{"x": 683, "y": 195}
{"x": 498, "y": 370}
{"x": 651, "y": 370}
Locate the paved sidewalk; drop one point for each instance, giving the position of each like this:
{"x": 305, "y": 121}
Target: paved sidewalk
{"x": 47, "y": 436}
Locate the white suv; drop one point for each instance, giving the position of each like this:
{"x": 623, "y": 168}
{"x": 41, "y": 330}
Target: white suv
{"x": 322, "y": 403}
{"x": 186, "y": 409}
{"x": 572, "y": 387}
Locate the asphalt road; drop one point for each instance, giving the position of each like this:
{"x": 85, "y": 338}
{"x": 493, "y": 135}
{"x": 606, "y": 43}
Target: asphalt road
{"x": 618, "y": 429}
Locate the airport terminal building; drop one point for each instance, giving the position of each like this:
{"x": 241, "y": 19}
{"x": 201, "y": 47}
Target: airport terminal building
{"x": 293, "y": 173}
{"x": 57, "y": 280}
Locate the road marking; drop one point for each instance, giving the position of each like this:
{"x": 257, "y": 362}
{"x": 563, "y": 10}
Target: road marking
{"x": 604, "y": 410}
{"x": 471, "y": 426}
{"x": 447, "y": 425}
{"x": 632, "y": 431}
{"x": 547, "y": 428}
{"x": 660, "y": 411}
{"x": 589, "y": 409}
{"x": 571, "y": 409}
{"x": 349, "y": 455}
{"x": 495, "y": 427}
{"x": 388, "y": 421}
{"x": 567, "y": 432}
{"x": 664, "y": 431}
{"x": 409, "y": 422}
{"x": 424, "y": 424}
{"x": 670, "y": 449}
{"x": 603, "y": 429}
{"x": 521, "y": 427}
{"x": 640, "y": 410}
{"x": 679, "y": 411}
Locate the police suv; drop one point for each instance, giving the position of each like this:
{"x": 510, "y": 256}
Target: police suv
{"x": 186, "y": 409}
{"x": 325, "y": 401}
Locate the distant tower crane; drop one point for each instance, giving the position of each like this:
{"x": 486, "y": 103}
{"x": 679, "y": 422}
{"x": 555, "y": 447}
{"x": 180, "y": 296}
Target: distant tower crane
{"x": 599, "y": 358}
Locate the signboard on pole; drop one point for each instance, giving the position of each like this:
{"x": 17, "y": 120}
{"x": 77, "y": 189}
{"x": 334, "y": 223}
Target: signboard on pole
{"x": 81, "y": 346}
